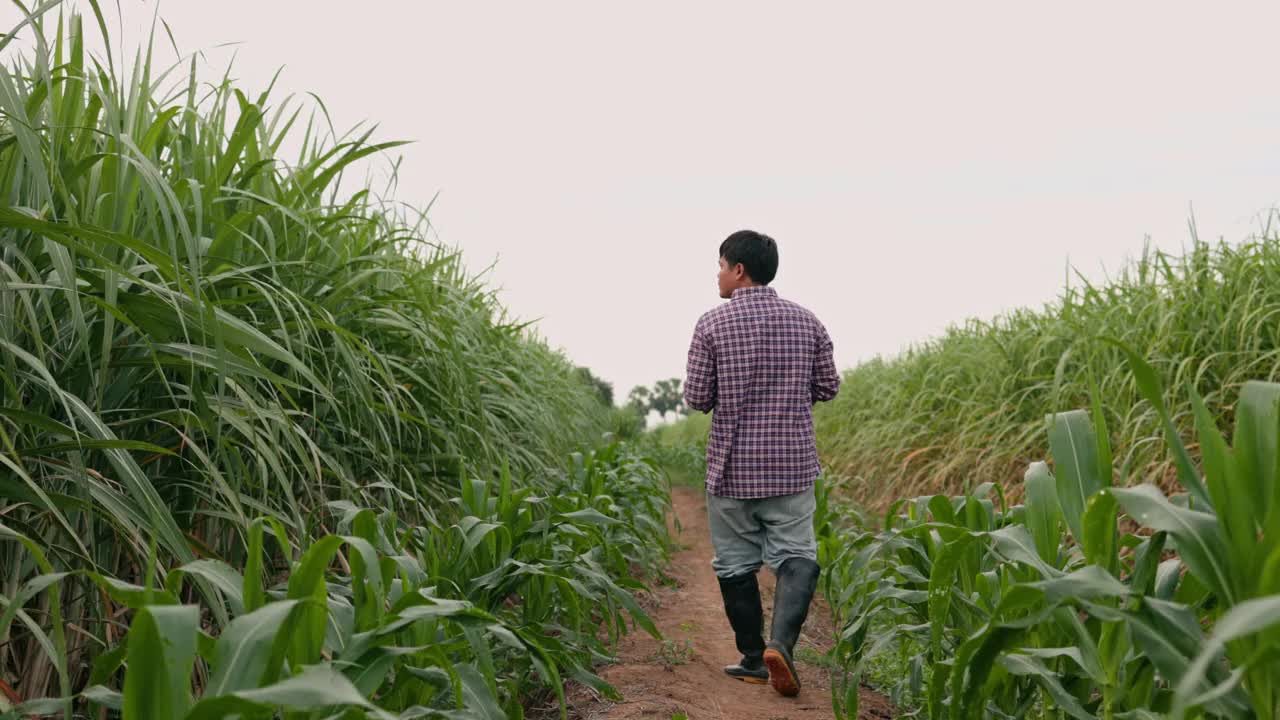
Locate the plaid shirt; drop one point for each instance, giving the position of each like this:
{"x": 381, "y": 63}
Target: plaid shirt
{"x": 760, "y": 362}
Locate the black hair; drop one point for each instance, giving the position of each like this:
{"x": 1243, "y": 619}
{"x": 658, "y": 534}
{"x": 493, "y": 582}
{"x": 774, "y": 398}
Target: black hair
{"x": 757, "y": 252}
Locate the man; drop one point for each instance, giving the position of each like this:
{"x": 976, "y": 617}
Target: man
{"x": 760, "y": 362}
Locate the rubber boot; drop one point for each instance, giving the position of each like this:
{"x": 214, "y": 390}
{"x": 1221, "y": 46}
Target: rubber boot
{"x": 741, "y": 595}
{"x": 797, "y": 581}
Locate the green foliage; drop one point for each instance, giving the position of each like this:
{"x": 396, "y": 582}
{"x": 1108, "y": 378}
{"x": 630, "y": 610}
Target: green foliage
{"x": 970, "y": 403}
{"x": 602, "y": 387}
{"x": 385, "y": 618}
{"x": 639, "y": 398}
{"x": 672, "y": 653}
{"x": 626, "y": 423}
{"x": 681, "y": 448}
{"x": 666, "y": 396}
{"x": 226, "y": 385}
{"x": 1049, "y": 609}
{"x": 691, "y": 430}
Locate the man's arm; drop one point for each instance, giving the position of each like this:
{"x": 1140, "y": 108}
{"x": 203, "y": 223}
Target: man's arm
{"x": 826, "y": 380}
{"x": 700, "y": 383}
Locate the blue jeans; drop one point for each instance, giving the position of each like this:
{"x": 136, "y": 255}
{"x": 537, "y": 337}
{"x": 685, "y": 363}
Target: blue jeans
{"x": 748, "y": 533}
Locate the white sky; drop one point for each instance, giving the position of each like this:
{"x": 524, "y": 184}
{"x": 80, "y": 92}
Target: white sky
{"x": 918, "y": 163}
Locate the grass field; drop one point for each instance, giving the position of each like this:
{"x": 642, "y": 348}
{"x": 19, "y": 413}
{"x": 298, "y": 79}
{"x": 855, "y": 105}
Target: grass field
{"x": 969, "y": 406}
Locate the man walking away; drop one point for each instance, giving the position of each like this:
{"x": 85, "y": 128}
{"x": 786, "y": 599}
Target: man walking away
{"x": 760, "y": 362}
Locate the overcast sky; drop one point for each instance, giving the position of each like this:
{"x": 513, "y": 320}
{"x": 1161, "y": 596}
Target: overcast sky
{"x": 918, "y": 163}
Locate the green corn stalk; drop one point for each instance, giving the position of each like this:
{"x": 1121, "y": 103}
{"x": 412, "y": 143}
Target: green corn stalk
{"x": 1022, "y": 617}
{"x": 360, "y": 622}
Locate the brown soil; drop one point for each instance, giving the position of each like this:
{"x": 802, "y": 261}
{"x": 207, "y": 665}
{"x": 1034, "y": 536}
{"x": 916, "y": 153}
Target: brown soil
{"x": 685, "y": 676}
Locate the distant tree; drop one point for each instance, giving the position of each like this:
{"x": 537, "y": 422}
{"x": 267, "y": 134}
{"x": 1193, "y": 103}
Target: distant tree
{"x": 602, "y": 387}
{"x": 668, "y": 397}
{"x": 640, "y": 397}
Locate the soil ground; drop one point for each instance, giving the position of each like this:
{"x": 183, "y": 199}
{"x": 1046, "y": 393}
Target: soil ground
{"x": 683, "y": 676}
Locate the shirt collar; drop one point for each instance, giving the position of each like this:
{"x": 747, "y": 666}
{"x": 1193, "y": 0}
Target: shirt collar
{"x": 753, "y": 290}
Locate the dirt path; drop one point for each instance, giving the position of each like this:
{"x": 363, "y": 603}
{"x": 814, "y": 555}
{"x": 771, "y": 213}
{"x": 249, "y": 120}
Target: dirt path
{"x": 684, "y": 676}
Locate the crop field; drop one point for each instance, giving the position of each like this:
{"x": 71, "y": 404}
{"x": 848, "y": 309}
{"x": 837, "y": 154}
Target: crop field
{"x": 971, "y": 403}
{"x": 1070, "y": 512}
{"x": 1089, "y": 599}
{"x": 268, "y": 451}
{"x": 263, "y": 448}
{"x": 1073, "y": 512}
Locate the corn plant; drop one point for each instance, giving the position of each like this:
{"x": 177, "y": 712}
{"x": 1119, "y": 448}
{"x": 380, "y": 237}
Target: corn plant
{"x": 382, "y": 618}
{"x": 1048, "y": 608}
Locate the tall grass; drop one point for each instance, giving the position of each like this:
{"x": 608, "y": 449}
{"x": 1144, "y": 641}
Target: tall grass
{"x": 197, "y": 332}
{"x": 968, "y": 406}
{"x": 1056, "y": 607}
{"x": 681, "y": 449}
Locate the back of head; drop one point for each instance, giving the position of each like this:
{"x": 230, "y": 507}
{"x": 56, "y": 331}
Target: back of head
{"x": 757, "y": 252}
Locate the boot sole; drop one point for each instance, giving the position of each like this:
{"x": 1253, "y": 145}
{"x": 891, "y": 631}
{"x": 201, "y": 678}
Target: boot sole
{"x": 782, "y": 676}
{"x": 750, "y": 680}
